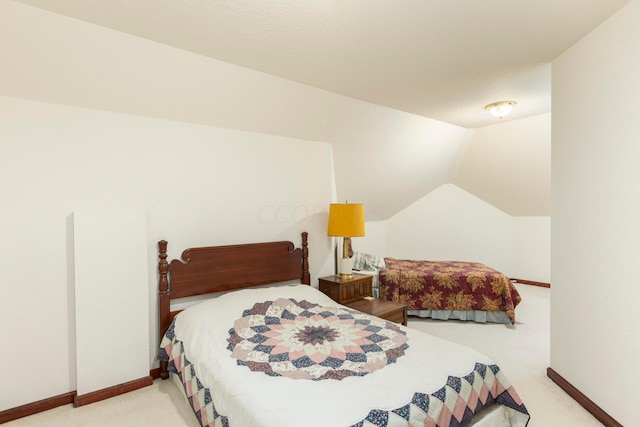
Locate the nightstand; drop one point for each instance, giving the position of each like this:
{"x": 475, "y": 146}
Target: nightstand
{"x": 345, "y": 291}
{"x": 387, "y": 310}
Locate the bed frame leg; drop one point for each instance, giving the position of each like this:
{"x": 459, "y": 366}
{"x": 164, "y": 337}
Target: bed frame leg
{"x": 164, "y": 372}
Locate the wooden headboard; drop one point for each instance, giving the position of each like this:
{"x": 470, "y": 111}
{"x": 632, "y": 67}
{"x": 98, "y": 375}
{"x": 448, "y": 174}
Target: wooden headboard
{"x": 222, "y": 268}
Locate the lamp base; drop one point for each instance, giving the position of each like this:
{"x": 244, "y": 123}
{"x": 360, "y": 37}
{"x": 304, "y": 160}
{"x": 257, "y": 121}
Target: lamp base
{"x": 345, "y": 268}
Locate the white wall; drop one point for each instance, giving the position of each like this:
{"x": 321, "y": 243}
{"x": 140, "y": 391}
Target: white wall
{"x": 509, "y": 166}
{"x": 110, "y": 315}
{"x": 52, "y": 58}
{"x": 529, "y": 250}
{"x": 451, "y": 224}
{"x": 198, "y": 185}
{"x": 375, "y": 240}
{"x": 595, "y": 224}
{"x": 532, "y": 248}
{"x": 520, "y": 147}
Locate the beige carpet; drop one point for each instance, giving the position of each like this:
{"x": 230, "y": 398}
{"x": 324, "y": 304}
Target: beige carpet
{"x": 522, "y": 352}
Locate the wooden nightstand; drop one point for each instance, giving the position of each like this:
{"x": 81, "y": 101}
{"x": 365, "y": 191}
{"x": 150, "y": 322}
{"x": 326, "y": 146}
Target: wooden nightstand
{"x": 346, "y": 291}
{"x": 387, "y": 310}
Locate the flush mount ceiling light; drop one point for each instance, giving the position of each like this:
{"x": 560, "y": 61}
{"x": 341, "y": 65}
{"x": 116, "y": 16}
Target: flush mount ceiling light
{"x": 501, "y": 109}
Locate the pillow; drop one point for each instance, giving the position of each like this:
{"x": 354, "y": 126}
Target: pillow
{"x": 404, "y": 264}
{"x": 391, "y": 263}
{"x": 363, "y": 261}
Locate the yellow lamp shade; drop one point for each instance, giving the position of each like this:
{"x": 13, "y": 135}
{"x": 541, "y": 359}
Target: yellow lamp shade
{"x": 346, "y": 220}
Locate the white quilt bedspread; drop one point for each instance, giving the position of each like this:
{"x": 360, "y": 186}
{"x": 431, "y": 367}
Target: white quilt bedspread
{"x": 249, "y": 398}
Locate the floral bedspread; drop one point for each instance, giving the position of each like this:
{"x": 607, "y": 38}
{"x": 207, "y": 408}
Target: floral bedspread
{"x": 448, "y": 285}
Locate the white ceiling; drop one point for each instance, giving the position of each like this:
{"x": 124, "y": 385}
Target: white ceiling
{"x": 443, "y": 59}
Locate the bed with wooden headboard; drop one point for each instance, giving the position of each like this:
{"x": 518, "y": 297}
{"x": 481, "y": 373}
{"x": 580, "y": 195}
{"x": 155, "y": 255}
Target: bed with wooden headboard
{"x": 214, "y": 269}
{"x": 285, "y": 354}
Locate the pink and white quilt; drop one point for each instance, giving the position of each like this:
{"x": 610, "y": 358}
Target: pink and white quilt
{"x": 289, "y": 356}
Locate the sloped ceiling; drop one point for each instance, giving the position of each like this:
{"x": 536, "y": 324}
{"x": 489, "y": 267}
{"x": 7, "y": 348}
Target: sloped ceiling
{"x": 509, "y": 166}
{"x": 439, "y": 59}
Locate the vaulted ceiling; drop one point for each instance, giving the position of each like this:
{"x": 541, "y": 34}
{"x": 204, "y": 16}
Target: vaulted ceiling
{"x": 440, "y": 59}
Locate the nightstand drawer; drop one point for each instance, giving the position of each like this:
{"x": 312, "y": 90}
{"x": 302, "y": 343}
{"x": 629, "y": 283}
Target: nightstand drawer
{"x": 345, "y": 291}
{"x": 355, "y": 291}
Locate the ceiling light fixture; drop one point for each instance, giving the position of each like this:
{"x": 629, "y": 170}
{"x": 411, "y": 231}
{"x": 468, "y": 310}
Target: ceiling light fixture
{"x": 501, "y": 109}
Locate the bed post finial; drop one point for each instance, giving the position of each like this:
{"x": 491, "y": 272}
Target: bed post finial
{"x": 306, "y": 279}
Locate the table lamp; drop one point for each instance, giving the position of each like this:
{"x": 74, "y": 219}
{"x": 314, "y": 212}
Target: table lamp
{"x": 346, "y": 220}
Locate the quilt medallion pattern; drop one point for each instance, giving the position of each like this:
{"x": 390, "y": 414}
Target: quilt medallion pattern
{"x": 302, "y": 340}
{"x": 454, "y": 404}
{"x": 448, "y": 285}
